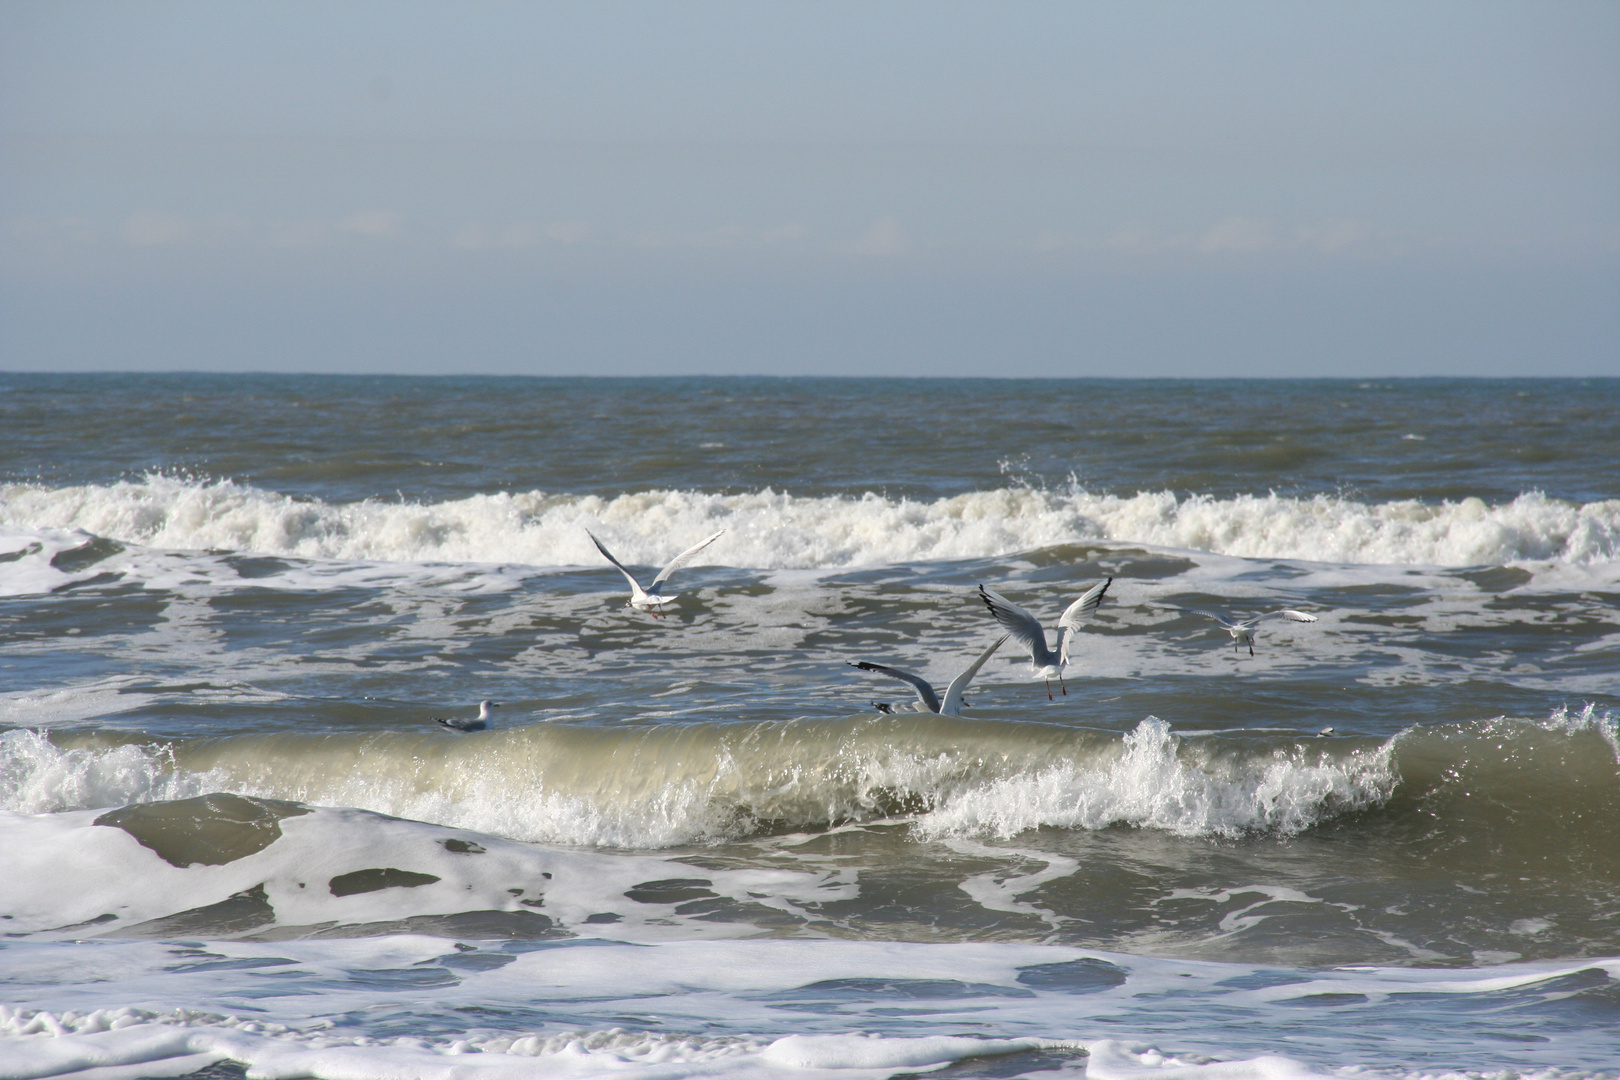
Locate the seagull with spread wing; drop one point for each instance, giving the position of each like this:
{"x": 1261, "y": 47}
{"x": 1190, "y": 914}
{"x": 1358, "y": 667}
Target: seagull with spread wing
{"x": 1028, "y": 632}
{"x": 927, "y": 697}
{"x": 652, "y": 599}
{"x": 1242, "y": 630}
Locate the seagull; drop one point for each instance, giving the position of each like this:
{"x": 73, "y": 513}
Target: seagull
{"x": 652, "y": 598}
{"x": 1242, "y": 630}
{"x": 1024, "y": 627}
{"x": 927, "y": 699}
{"x": 478, "y": 723}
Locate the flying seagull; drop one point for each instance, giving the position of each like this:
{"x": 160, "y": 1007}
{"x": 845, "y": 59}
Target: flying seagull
{"x": 478, "y": 723}
{"x": 652, "y": 598}
{"x": 1027, "y": 630}
{"x": 1242, "y": 630}
{"x": 927, "y": 699}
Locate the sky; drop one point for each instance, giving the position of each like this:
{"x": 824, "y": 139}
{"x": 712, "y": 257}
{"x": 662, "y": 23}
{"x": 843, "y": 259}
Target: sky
{"x": 648, "y": 188}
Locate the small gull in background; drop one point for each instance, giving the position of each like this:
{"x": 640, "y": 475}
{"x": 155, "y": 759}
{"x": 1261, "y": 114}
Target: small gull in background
{"x": 927, "y": 698}
{"x": 1028, "y": 632}
{"x": 652, "y": 598}
{"x": 478, "y": 723}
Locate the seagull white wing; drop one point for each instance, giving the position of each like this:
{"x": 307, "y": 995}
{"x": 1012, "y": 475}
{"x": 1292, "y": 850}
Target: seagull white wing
{"x": 681, "y": 560}
{"x": 1228, "y": 623}
{"x": 1085, "y": 607}
{"x": 959, "y": 685}
{"x": 1076, "y": 615}
{"x": 1285, "y": 613}
{"x": 1020, "y": 625}
{"x": 635, "y": 586}
{"x": 925, "y": 692}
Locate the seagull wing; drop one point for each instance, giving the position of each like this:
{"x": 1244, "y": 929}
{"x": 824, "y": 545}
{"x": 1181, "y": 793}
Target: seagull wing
{"x": 1228, "y": 623}
{"x": 1286, "y": 613}
{"x": 1020, "y": 625}
{"x": 1085, "y": 607}
{"x": 1076, "y": 615}
{"x": 681, "y": 560}
{"x": 925, "y": 692}
{"x": 959, "y": 685}
{"x": 635, "y": 586}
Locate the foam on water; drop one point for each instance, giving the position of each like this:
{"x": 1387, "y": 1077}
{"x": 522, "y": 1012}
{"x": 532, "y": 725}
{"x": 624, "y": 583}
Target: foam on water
{"x": 149, "y": 1045}
{"x": 759, "y": 1008}
{"x": 776, "y": 530}
{"x": 70, "y": 872}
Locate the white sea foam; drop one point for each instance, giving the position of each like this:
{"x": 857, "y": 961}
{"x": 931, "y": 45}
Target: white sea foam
{"x": 38, "y": 777}
{"x": 776, "y": 530}
{"x": 1156, "y": 782}
{"x": 26, "y": 555}
{"x": 64, "y": 871}
{"x": 715, "y": 1009}
{"x": 125, "y": 1042}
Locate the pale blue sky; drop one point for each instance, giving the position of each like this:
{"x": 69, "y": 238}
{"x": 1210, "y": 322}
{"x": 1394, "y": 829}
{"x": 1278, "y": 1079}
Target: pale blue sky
{"x": 815, "y": 188}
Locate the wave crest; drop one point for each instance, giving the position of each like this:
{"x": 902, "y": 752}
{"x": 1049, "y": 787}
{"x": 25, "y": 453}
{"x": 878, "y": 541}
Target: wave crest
{"x": 667, "y": 785}
{"x": 1160, "y": 782}
{"x": 39, "y": 777}
{"x": 776, "y": 530}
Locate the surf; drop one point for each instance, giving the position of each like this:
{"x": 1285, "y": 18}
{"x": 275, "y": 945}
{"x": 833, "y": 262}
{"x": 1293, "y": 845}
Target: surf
{"x": 776, "y": 530}
{"x": 659, "y": 784}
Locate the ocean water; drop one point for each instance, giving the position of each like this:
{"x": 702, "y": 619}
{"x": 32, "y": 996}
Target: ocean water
{"x": 234, "y": 842}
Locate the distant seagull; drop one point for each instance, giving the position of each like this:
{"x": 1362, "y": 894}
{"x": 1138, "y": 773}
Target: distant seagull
{"x": 479, "y": 723}
{"x": 1325, "y": 731}
{"x": 1027, "y": 631}
{"x": 927, "y": 699}
{"x": 652, "y": 598}
{"x": 1242, "y": 630}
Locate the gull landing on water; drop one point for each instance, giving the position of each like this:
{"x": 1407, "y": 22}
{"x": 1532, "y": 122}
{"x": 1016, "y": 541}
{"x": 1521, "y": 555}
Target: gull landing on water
{"x": 927, "y": 698}
{"x": 477, "y": 723}
{"x": 652, "y": 598}
{"x": 1242, "y": 630}
{"x": 1028, "y": 632}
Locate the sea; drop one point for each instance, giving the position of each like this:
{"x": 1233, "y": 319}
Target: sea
{"x": 234, "y": 842}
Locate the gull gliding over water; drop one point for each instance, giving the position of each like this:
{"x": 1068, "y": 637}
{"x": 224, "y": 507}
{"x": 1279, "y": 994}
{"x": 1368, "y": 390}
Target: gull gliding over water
{"x": 1242, "y": 630}
{"x": 927, "y": 698}
{"x": 478, "y": 723}
{"x": 652, "y": 598}
{"x": 1027, "y": 630}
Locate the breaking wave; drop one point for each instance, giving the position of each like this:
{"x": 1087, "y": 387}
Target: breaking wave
{"x": 775, "y": 530}
{"x": 664, "y": 785}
